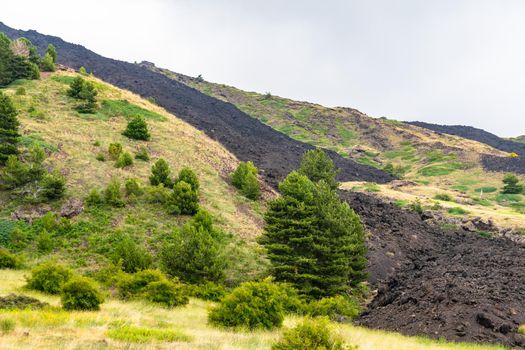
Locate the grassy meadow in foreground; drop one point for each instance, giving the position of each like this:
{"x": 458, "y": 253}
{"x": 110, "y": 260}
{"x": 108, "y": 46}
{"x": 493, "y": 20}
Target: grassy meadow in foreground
{"x": 139, "y": 325}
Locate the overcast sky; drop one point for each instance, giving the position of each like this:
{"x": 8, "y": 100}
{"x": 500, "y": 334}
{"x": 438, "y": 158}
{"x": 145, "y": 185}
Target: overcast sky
{"x": 441, "y": 61}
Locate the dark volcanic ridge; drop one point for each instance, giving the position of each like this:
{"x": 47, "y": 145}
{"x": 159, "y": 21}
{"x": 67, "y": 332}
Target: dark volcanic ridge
{"x": 489, "y": 162}
{"x": 456, "y": 285}
{"x": 273, "y": 152}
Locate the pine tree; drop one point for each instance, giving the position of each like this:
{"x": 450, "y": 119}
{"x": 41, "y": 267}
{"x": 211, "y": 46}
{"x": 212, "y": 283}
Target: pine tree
{"x": 183, "y": 200}
{"x": 75, "y": 87}
{"x": 52, "y": 51}
{"x": 137, "y": 129}
{"x": 47, "y": 64}
{"x": 511, "y": 185}
{"x": 9, "y": 124}
{"x": 160, "y": 174}
{"x": 290, "y": 232}
{"x": 88, "y": 94}
{"x": 187, "y": 175}
{"x": 316, "y": 165}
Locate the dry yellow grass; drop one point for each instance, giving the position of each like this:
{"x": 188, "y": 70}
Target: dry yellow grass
{"x": 56, "y": 329}
{"x": 172, "y": 139}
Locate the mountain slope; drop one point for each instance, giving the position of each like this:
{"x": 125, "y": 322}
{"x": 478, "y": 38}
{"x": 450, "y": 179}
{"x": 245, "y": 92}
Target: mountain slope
{"x": 274, "y": 153}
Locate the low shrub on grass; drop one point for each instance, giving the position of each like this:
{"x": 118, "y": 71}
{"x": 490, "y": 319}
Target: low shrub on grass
{"x": 112, "y": 195}
{"x": 252, "y": 305}
{"x": 207, "y": 291}
{"x": 8, "y": 260}
{"x": 315, "y": 334}
{"x": 114, "y": 150}
{"x": 167, "y": 293}
{"x": 338, "y": 308}
{"x": 100, "y": 157}
{"x": 416, "y": 206}
{"x": 372, "y": 187}
{"x": 124, "y": 160}
{"x": 444, "y": 197}
{"x": 137, "y": 129}
{"x": 457, "y": 211}
{"x": 81, "y": 293}
{"x": 94, "y": 198}
{"x": 130, "y": 256}
{"x": 133, "y": 285}
{"x": 49, "y": 277}
{"x": 157, "y": 194}
{"x": 142, "y": 154}
{"x": 145, "y": 335}
{"x": 20, "y": 302}
{"x": 133, "y": 187}
{"x": 7, "y": 325}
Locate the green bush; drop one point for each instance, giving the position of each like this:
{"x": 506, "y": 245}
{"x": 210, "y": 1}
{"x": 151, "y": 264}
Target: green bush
{"x": 338, "y": 308}
{"x": 82, "y": 70}
{"x": 47, "y": 64}
{"x": 20, "y": 91}
{"x": 457, "y": 211}
{"x": 75, "y": 87}
{"x": 416, "y": 206}
{"x": 133, "y": 187}
{"x": 112, "y": 194}
{"x": 183, "y": 200}
{"x": 7, "y": 325}
{"x": 137, "y": 129}
{"x": 187, "y": 175}
{"x": 142, "y": 154}
{"x": 166, "y": 293}
{"x": 251, "y": 305}
{"x": 94, "y": 198}
{"x": 133, "y": 285}
{"x": 511, "y": 185}
{"x": 311, "y": 334}
{"x": 100, "y": 157}
{"x": 317, "y": 166}
{"x": 45, "y": 242}
{"x": 9, "y": 124}
{"x": 87, "y": 95}
{"x": 53, "y": 186}
{"x": 49, "y": 277}
{"x": 125, "y": 159}
{"x": 20, "y": 302}
{"x": 132, "y": 257}
{"x": 444, "y": 197}
{"x": 8, "y": 260}
{"x": 245, "y": 179}
{"x": 114, "y": 150}
{"x": 157, "y": 194}
{"x": 160, "y": 174}
{"x": 81, "y": 293}
{"x": 207, "y": 291}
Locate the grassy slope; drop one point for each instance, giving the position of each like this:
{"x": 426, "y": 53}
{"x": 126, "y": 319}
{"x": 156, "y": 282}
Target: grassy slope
{"x": 56, "y": 329}
{"x": 71, "y": 138}
{"x": 438, "y": 163}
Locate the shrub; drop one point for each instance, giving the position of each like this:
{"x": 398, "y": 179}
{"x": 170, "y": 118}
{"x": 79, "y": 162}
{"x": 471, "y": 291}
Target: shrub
{"x": 183, "y": 200}
{"x": 157, "y": 194}
{"x": 87, "y": 95}
{"x": 166, "y": 293}
{"x": 245, "y": 179}
{"x": 338, "y": 308}
{"x": 187, "y": 175}
{"x": 132, "y": 257}
{"x": 133, "y": 285}
{"x": 444, "y": 197}
{"x": 317, "y": 166}
{"x": 82, "y": 70}
{"x": 44, "y": 242}
{"x": 457, "y": 211}
{"x": 20, "y": 302}
{"x": 372, "y": 187}
{"x": 9, "y": 136}
{"x": 114, "y": 150}
{"x": 53, "y": 186}
{"x": 7, "y": 325}
{"x": 207, "y": 291}
{"x": 142, "y": 154}
{"x": 137, "y": 129}
{"x": 20, "y": 91}
{"x": 100, "y": 157}
{"x": 47, "y": 64}
{"x": 125, "y": 159}
{"x": 94, "y": 198}
{"x": 49, "y": 277}
{"x": 511, "y": 185}
{"x": 133, "y": 187}
{"x": 112, "y": 194}
{"x": 251, "y": 305}
{"x": 416, "y": 206}
{"x": 8, "y": 260}
{"x": 80, "y": 293}
{"x": 52, "y": 51}
{"x": 75, "y": 87}
{"x": 160, "y": 174}
{"x": 312, "y": 334}
{"x": 194, "y": 256}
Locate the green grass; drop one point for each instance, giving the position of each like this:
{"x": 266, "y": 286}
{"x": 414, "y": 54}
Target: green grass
{"x": 506, "y": 197}
{"x": 64, "y": 79}
{"x": 37, "y": 140}
{"x": 487, "y": 189}
{"x": 461, "y": 188}
{"x": 401, "y": 202}
{"x": 457, "y": 211}
{"x": 366, "y": 160}
{"x": 145, "y": 335}
{"x": 444, "y": 197}
{"x": 440, "y": 169}
{"x": 123, "y": 108}
{"x": 372, "y": 187}
{"x": 435, "y": 156}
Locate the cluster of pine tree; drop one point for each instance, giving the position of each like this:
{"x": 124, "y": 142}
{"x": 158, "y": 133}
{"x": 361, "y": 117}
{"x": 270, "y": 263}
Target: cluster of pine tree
{"x": 19, "y": 59}
{"x": 85, "y": 92}
{"x": 313, "y": 240}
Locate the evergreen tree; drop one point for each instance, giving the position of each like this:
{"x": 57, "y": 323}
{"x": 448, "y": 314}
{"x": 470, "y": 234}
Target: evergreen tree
{"x": 245, "y": 179}
{"x": 511, "y": 184}
{"x": 47, "y": 64}
{"x": 137, "y": 129}
{"x": 316, "y": 165}
{"x": 160, "y": 174}
{"x": 88, "y": 94}
{"x": 9, "y": 124}
{"x": 75, "y": 87}
{"x": 195, "y": 256}
{"x": 290, "y": 232}
{"x": 187, "y": 175}
{"x": 52, "y": 51}
{"x": 183, "y": 200}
